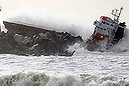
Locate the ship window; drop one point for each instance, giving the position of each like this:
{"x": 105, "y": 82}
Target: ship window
{"x": 97, "y": 27}
{"x": 95, "y": 22}
{"x": 103, "y": 22}
{"x": 107, "y": 23}
{"x": 112, "y": 25}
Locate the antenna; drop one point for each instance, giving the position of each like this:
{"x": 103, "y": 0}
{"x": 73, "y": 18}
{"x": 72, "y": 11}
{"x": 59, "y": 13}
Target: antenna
{"x": 0, "y": 20}
{"x": 0, "y": 8}
{"x": 116, "y": 13}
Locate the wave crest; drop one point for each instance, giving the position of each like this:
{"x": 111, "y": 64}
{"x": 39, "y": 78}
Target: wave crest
{"x": 41, "y": 79}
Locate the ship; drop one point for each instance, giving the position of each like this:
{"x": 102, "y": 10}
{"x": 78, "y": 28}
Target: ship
{"x": 34, "y": 40}
{"x": 107, "y": 33}
{"x": 28, "y": 39}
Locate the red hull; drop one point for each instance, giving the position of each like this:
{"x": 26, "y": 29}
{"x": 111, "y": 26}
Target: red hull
{"x": 92, "y": 46}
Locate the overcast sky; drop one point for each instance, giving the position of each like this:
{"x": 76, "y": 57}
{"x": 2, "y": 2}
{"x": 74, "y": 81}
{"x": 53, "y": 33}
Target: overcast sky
{"x": 85, "y": 10}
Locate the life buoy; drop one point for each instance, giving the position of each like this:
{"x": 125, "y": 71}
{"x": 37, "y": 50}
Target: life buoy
{"x": 99, "y": 36}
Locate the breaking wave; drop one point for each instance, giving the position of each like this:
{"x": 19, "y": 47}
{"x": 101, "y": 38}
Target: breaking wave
{"x": 123, "y": 45}
{"x": 42, "y": 79}
{"x": 43, "y": 17}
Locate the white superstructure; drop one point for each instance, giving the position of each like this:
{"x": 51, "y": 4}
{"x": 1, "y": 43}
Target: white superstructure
{"x": 107, "y": 31}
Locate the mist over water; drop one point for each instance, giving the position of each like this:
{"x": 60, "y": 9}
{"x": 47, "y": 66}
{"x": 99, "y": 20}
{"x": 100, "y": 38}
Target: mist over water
{"x": 44, "y": 17}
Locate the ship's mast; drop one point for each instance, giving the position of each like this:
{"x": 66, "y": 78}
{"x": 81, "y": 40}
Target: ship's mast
{"x": 116, "y": 14}
{"x": 0, "y": 20}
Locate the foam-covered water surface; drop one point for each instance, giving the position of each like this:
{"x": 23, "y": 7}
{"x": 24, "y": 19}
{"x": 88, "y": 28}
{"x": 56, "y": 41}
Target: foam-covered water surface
{"x": 41, "y": 79}
{"x": 87, "y": 68}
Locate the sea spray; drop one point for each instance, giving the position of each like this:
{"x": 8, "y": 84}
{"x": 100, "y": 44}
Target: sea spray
{"x": 43, "y": 17}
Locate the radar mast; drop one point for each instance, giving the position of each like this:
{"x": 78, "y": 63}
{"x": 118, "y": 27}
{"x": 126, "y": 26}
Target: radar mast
{"x": 116, "y": 14}
{"x": 0, "y": 20}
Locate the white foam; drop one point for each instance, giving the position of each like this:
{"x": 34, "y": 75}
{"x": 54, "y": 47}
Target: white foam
{"x": 42, "y": 79}
{"x": 42, "y": 16}
{"x": 123, "y": 44}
